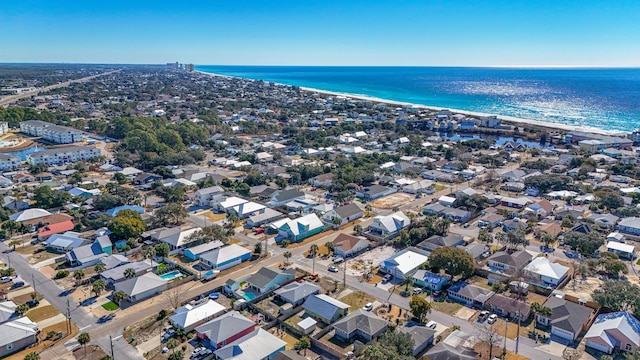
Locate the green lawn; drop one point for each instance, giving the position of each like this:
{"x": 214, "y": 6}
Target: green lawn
{"x": 111, "y": 306}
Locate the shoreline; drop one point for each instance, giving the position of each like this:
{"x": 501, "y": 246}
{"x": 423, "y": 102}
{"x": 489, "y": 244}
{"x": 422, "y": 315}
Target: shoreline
{"x": 506, "y": 118}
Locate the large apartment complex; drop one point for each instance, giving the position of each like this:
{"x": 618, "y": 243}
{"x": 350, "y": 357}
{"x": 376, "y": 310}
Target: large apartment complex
{"x": 63, "y": 155}
{"x": 9, "y": 162}
{"x": 55, "y": 133}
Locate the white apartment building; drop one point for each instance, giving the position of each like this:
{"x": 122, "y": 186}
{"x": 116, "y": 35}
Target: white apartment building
{"x": 4, "y": 127}
{"x": 55, "y": 133}
{"x": 9, "y": 162}
{"x": 63, "y": 155}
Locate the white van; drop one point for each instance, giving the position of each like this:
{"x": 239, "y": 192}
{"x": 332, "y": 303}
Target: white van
{"x": 432, "y": 324}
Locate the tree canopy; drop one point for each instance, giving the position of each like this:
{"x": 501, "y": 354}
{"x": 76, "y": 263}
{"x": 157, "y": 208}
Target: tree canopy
{"x": 454, "y": 261}
{"x": 618, "y": 296}
{"x": 126, "y": 224}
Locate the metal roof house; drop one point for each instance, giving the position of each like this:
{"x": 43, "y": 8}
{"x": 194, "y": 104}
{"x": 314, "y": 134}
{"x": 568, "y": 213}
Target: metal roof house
{"x": 325, "y": 308}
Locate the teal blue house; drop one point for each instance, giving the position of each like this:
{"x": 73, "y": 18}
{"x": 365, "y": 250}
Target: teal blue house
{"x": 298, "y": 229}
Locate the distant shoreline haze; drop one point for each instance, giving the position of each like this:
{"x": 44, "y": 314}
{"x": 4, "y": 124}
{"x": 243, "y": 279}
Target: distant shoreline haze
{"x": 603, "y": 98}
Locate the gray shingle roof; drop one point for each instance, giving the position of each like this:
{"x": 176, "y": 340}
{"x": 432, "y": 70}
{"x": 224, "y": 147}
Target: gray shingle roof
{"x": 567, "y": 315}
{"x": 361, "y": 320}
{"x": 225, "y": 326}
{"x": 296, "y": 291}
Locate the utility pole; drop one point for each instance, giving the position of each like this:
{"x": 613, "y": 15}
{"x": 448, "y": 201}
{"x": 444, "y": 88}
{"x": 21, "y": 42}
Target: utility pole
{"x": 33, "y": 283}
{"x": 111, "y": 343}
{"x": 68, "y": 318}
{"x": 344, "y": 279}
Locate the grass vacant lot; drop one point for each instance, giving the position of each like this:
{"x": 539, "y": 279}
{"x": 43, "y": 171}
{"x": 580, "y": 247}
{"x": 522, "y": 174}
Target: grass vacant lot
{"x": 111, "y": 306}
{"x": 450, "y": 308}
{"x": 43, "y": 312}
{"x": 356, "y": 300}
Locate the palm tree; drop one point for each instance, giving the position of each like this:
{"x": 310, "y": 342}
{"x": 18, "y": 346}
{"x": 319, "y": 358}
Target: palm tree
{"x": 129, "y": 273}
{"x": 148, "y": 252}
{"x": 32, "y": 356}
{"x": 100, "y": 267}
{"x": 78, "y": 275}
{"x": 287, "y": 255}
{"x": 336, "y": 222}
{"x": 118, "y": 296}
{"x": 172, "y": 344}
{"x": 368, "y": 208}
{"x": 313, "y": 250}
{"x": 536, "y": 308}
{"x": 358, "y": 229}
{"x": 83, "y": 340}
{"x": 99, "y": 286}
{"x": 330, "y": 247}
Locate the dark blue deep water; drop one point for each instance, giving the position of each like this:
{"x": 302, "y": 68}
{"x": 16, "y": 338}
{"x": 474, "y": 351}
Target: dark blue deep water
{"x": 602, "y": 98}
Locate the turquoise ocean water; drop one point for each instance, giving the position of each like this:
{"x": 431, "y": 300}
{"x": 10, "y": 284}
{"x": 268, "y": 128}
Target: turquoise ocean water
{"x": 602, "y": 98}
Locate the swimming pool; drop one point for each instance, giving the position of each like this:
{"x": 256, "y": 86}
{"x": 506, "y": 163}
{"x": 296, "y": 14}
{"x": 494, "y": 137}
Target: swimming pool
{"x": 171, "y": 275}
{"x": 249, "y": 296}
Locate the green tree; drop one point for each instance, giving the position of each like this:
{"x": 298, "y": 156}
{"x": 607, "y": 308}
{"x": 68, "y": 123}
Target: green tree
{"x": 22, "y": 309}
{"x": 99, "y": 267}
{"x": 618, "y": 295}
{"x": 585, "y": 244}
{"x": 178, "y": 355}
{"x": 313, "y": 250}
{"x": 12, "y": 227}
{"x": 303, "y": 344}
{"x": 454, "y": 261}
{"x": 84, "y": 339}
{"x": 125, "y": 226}
{"x": 614, "y": 267}
{"x": 330, "y": 247}
{"x": 47, "y": 198}
{"x": 485, "y": 236}
{"x": 118, "y": 296}
{"x": 32, "y": 356}
{"x": 162, "y": 250}
{"x": 357, "y": 229}
{"x": 172, "y": 344}
{"x": 538, "y": 309}
{"x": 120, "y": 178}
{"x": 287, "y": 255}
{"x": 393, "y": 345}
{"x": 98, "y": 287}
{"x": 129, "y": 273}
{"x": 172, "y": 213}
{"x": 257, "y": 249}
{"x": 420, "y": 308}
{"x": 515, "y": 238}
{"x": 78, "y": 275}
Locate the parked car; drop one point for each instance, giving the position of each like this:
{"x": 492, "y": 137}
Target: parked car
{"x": 417, "y": 291}
{"x": 6, "y": 279}
{"x": 368, "y": 307}
{"x": 492, "y": 318}
{"x": 333, "y": 269}
{"x": 17, "y": 284}
{"x": 338, "y": 259}
{"x": 483, "y": 315}
{"x": 168, "y": 334}
{"x": 386, "y": 278}
{"x": 432, "y": 324}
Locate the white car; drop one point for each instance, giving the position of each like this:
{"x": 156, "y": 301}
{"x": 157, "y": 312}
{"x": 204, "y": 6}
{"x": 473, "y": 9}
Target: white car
{"x": 367, "y": 307}
{"x": 492, "y": 318}
{"x": 417, "y": 291}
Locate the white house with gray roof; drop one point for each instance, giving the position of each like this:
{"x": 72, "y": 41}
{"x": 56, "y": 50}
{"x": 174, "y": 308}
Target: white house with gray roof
{"x": 568, "y": 320}
{"x": 16, "y": 335}
{"x": 258, "y": 345}
{"x": 345, "y": 213}
{"x": 387, "y": 227}
{"x": 296, "y": 293}
{"x": 630, "y": 225}
{"x": 203, "y": 197}
{"x": 142, "y": 287}
{"x": 614, "y": 331}
{"x": 325, "y": 308}
{"x": 189, "y": 316}
{"x": 360, "y": 324}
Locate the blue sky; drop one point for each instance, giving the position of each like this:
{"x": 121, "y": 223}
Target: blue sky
{"x": 310, "y": 32}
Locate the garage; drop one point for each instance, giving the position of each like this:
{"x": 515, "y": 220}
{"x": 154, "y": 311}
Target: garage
{"x": 600, "y": 347}
{"x": 562, "y": 333}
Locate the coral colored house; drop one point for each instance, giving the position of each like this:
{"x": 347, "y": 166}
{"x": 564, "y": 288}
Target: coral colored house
{"x": 58, "y": 228}
{"x": 225, "y": 329}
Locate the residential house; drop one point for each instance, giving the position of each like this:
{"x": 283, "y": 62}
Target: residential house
{"x": 142, "y": 287}
{"x": 222, "y": 204}
{"x": 298, "y": 229}
{"x": 281, "y": 197}
{"x": 360, "y": 324}
{"x": 347, "y": 245}
{"x": 624, "y": 251}
{"x": 205, "y": 196}
{"x": 512, "y": 175}
{"x": 514, "y": 224}
{"x": 7, "y": 311}
{"x": 265, "y": 216}
{"x": 225, "y": 329}
{"x": 540, "y": 208}
{"x": 509, "y": 307}
{"x": 296, "y": 293}
{"x": 116, "y": 274}
{"x": 437, "y": 241}
{"x": 258, "y": 345}
{"x": 387, "y": 227}
{"x": 322, "y": 181}
{"x": 455, "y": 346}
{"x": 476, "y": 249}
{"x": 517, "y": 203}
{"x": 469, "y": 294}
{"x": 422, "y": 337}
{"x": 545, "y": 273}
{"x": 62, "y": 243}
{"x": 614, "y": 331}
{"x": 176, "y": 237}
{"x": 88, "y": 255}
{"x": 193, "y": 253}
{"x": 428, "y": 280}
{"x": 29, "y": 214}
{"x": 434, "y": 209}
{"x": 17, "y": 334}
{"x": 490, "y": 221}
{"x": 325, "y": 308}
{"x": 345, "y": 214}
{"x": 146, "y": 178}
{"x": 504, "y": 262}
{"x": 630, "y": 226}
{"x": 604, "y": 221}
{"x": 404, "y": 263}
{"x": 447, "y": 201}
{"x": 225, "y": 257}
{"x": 188, "y": 317}
{"x": 268, "y": 279}
{"x": 551, "y": 228}
{"x": 56, "y": 228}
{"x": 247, "y": 209}
{"x": 373, "y": 192}
{"x": 420, "y": 187}
{"x": 568, "y": 320}
{"x": 456, "y": 215}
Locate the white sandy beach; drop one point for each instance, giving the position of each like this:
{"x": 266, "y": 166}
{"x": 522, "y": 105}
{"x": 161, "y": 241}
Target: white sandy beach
{"x": 509, "y": 119}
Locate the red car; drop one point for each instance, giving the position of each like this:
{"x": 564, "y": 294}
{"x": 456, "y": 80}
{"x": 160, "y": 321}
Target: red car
{"x": 259, "y": 231}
